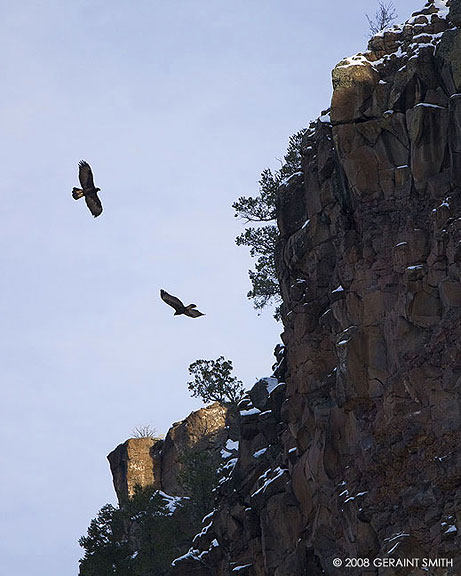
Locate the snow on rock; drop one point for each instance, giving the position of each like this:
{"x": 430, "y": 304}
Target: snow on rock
{"x": 202, "y": 532}
{"x": 268, "y": 478}
{"x": 395, "y": 536}
{"x": 192, "y": 554}
{"x": 260, "y": 394}
{"x": 271, "y": 384}
{"x": 350, "y": 498}
{"x": 230, "y": 448}
{"x": 208, "y": 516}
{"x": 232, "y": 444}
{"x": 401, "y": 41}
{"x": 285, "y": 181}
{"x": 250, "y": 412}
{"x": 172, "y": 502}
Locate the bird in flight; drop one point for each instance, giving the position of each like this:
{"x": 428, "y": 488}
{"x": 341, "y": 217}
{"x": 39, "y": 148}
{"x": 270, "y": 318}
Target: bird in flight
{"x": 88, "y": 189}
{"x": 190, "y": 310}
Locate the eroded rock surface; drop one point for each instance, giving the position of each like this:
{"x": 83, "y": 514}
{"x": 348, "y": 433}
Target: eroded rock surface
{"x": 203, "y": 430}
{"x": 158, "y": 463}
{"x": 135, "y": 462}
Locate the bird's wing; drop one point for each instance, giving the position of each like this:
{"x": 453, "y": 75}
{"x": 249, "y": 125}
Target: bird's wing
{"x": 171, "y": 300}
{"x": 193, "y": 313}
{"x": 85, "y": 175}
{"x": 94, "y": 204}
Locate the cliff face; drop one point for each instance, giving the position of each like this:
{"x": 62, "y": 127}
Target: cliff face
{"x": 357, "y": 453}
{"x": 159, "y": 463}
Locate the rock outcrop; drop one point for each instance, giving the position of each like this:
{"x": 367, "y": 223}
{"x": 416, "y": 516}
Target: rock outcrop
{"x": 156, "y": 462}
{"x": 202, "y": 431}
{"x": 136, "y": 462}
{"x": 356, "y": 454}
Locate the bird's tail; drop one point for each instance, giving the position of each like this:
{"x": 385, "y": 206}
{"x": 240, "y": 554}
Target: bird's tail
{"x": 77, "y": 193}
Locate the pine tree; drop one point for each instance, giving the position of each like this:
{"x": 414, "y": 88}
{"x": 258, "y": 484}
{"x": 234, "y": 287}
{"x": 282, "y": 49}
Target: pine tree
{"x": 213, "y": 381}
{"x": 106, "y": 552}
{"x": 262, "y": 239}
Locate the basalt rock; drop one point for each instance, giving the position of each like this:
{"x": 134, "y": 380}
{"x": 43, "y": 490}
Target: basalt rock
{"x": 136, "y": 462}
{"x": 203, "y": 430}
{"x": 357, "y": 454}
{"x": 158, "y": 463}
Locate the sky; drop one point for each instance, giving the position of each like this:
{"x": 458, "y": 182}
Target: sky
{"x": 178, "y": 106}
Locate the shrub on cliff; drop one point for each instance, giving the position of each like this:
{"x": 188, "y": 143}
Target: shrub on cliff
{"x": 262, "y": 238}
{"x": 213, "y": 381}
{"x": 146, "y": 431}
{"x": 384, "y": 16}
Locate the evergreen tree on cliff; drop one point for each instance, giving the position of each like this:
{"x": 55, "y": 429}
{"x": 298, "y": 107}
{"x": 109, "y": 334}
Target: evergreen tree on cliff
{"x": 213, "y": 381}
{"x": 262, "y": 237}
{"x": 106, "y": 551}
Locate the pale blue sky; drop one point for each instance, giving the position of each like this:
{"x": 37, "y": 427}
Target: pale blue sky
{"x": 178, "y": 106}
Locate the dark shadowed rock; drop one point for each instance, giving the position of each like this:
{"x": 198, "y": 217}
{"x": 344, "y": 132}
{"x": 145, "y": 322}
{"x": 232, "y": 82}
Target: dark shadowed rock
{"x": 260, "y": 393}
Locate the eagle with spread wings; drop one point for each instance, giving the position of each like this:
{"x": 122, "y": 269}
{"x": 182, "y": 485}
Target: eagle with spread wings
{"x": 88, "y": 189}
{"x": 190, "y": 310}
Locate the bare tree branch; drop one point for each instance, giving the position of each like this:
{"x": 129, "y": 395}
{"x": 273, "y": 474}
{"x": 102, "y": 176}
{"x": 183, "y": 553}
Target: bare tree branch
{"x": 383, "y": 18}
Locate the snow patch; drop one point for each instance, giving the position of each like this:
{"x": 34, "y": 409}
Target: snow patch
{"x": 232, "y": 445}
{"x": 268, "y": 481}
{"x": 285, "y": 181}
{"x": 250, "y": 412}
{"x": 399, "y": 535}
{"x": 172, "y": 502}
{"x": 427, "y": 105}
{"x": 192, "y": 553}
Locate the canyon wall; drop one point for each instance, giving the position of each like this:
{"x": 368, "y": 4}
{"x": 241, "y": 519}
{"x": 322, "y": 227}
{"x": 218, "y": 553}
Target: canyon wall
{"x": 355, "y": 452}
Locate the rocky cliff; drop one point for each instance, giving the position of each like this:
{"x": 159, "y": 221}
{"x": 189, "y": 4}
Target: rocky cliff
{"x": 356, "y": 454}
{"x": 159, "y": 463}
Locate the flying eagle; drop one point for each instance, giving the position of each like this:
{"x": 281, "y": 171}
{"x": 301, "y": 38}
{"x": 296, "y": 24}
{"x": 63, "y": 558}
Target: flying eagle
{"x": 179, "y": 306}
{"x": 85, "y": 175}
